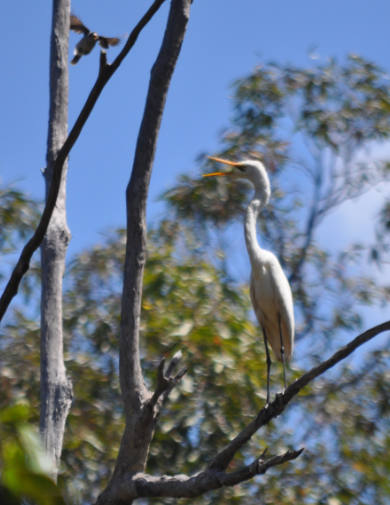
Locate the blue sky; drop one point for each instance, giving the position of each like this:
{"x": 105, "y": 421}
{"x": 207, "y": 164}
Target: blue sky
{"x": 225, "y": 40}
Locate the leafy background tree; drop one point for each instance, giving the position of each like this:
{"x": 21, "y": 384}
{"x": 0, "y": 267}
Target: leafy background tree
{"x": 312, "y": 128}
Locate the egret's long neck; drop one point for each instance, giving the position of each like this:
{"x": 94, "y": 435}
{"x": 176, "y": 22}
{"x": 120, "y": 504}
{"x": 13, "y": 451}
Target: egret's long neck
{"x": 258, "y": 202}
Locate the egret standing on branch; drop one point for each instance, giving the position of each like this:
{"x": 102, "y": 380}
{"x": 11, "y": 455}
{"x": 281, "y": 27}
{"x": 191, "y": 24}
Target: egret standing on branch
{"x": 269, "y": 288}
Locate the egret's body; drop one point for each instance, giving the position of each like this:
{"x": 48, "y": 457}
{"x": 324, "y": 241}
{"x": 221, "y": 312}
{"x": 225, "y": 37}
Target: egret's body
{"x": 269, "y": 288}
{"x": 270, "y": 304}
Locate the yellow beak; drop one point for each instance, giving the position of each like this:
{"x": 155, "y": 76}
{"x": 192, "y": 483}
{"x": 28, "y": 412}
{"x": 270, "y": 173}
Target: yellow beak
{"x": 231, "y": 163}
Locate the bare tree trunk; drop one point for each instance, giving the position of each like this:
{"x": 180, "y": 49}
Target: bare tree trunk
{"x": 106, "y": 71}
{"x": 141, "y": 406}
{"x": 134, "y": 392}
{"x": 56, "y": 388}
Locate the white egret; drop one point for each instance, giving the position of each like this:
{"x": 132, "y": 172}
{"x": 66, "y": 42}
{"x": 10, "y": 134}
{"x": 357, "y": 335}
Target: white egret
{"x": 269, "y": 288}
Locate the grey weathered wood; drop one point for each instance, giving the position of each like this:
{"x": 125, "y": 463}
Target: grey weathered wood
{"x": 56, "y": 388}
{"x": 275, "y": 408}
{"x": 132, "y": 485}
{"x": 133, "y": 389}
{"x": 134, "y": 392}
{"x": 105, "y": 73}
{"x": 141, "y": 406}
{"x": 141, "y": 485}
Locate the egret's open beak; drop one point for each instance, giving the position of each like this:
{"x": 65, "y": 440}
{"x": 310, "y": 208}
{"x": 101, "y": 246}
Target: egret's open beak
{"x": 231, "y": 163}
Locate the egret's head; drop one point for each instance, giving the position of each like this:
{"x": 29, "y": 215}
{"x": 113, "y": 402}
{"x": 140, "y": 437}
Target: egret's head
{"x": 250, "y": 170}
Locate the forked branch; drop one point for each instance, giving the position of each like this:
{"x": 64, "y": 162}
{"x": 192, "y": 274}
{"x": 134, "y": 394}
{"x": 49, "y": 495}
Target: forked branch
{"x": 105, "y": 73}
{"x": 141, "y": 485}
{"x": 274, "y": 409}
{"x": 182, "y": 486}
{"x": 142, "y": 408}
{"x": 138, "y": 485}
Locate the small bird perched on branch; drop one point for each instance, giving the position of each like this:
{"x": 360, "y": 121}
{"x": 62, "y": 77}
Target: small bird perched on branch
{"x": 88, "y": 42}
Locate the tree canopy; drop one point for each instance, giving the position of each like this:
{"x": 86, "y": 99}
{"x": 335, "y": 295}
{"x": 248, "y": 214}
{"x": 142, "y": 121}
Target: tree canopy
{"x": 312, "y": 128}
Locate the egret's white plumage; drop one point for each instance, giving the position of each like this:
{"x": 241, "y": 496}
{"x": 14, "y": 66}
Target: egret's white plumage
{"x": 269, "y": 288}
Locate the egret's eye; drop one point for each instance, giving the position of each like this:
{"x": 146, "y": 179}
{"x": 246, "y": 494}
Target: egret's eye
{"x": 242, "y": 168}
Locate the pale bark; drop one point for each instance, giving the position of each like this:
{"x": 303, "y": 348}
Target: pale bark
{"x": 141, "y": 485}
{"x": 141, "y": 406}
{"x": 130, "y": 485}
{"x": 52, "y": 231}
{"x": 106, "y": 71}
{"x": 56, "y": 388}
{"x": 133, "y": 389}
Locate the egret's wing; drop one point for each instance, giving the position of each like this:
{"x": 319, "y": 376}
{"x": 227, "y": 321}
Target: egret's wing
{"x": 284, "y": 305}
{"x": 255, "y": 302}
{"x": 105, "y": 42}
{"x": 77, "y": 26}
{"x": 264, "y": 319}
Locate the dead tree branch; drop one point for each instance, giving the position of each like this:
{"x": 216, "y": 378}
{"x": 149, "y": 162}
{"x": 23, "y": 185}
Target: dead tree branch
{"x": 141, "y": 407}
{"x": 105, "y": 73}
{"x": 56, "y": 387}
{"x": 274, "y": 409}
{"x": 142, "y": 485}
{"x": 133, "y": 389}
{"x": 137, "y": 485}
{"x": 166, "y": 382}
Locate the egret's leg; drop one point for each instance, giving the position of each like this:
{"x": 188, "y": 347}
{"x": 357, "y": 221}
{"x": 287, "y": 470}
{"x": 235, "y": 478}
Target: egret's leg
{"x": 268, "y": 363}
{"x": 282, "y": 353}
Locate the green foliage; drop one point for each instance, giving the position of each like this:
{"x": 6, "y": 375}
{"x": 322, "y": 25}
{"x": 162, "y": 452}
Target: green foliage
{"x": 24, "y": 466}
{"x": 18, "y": 217}
{"x": 188, "y": 305}
{"x": 310, "y": 127}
